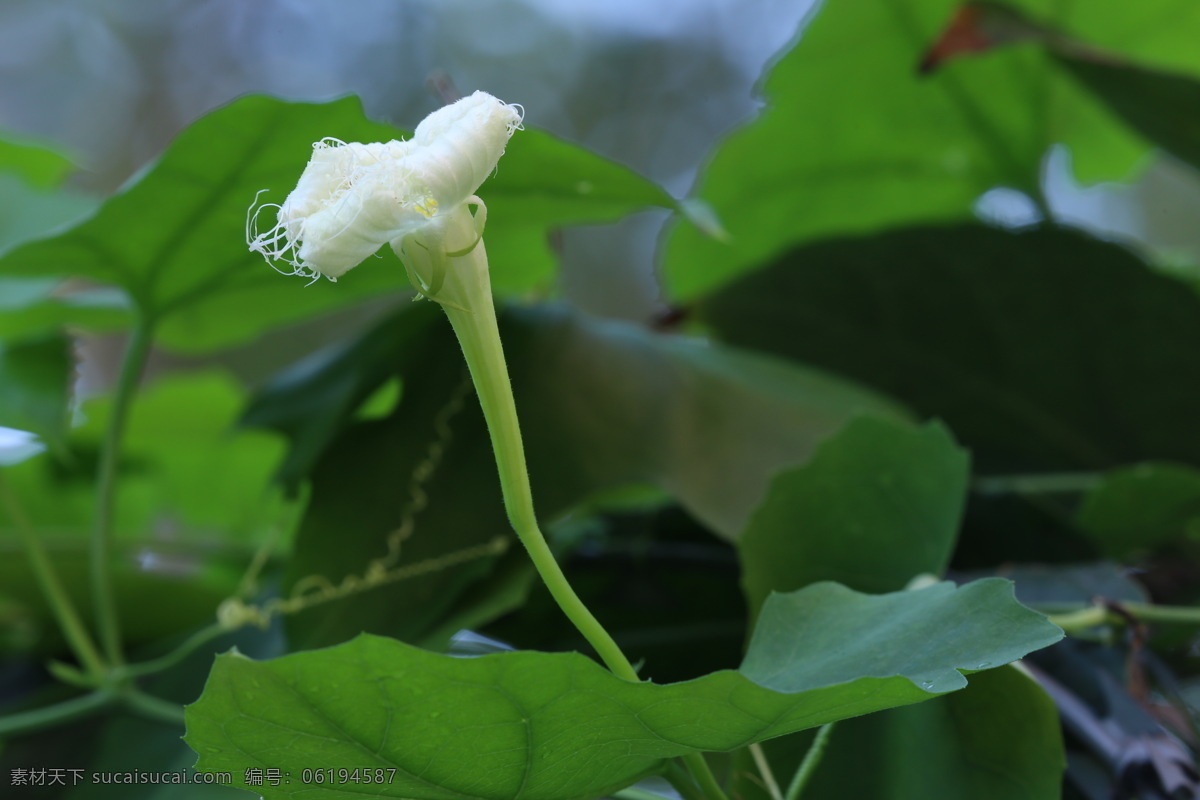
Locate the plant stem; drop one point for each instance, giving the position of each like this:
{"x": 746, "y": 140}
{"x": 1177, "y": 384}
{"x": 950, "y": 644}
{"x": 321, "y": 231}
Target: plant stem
{"x": 765, "y": 771}
{"x": 153, "y": 707}
{"x": 66, "y": 711}
{"x": 173, "y": 657}
{"x": 704, "y": 776}
{"x": 469, "y": 286}
{"x": 52, "y": 586}
{"x": 682, "y": 782}
{"x": 808, "y": 766}
{"x": 1091, "y": 616}
{"x": 1038, "y": 483}
{"x": 134, "y": 360}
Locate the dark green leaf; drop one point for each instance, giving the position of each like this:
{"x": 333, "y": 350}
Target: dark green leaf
{"x": 606, "y": 403}
{"x": 1163, "y": 107}
{"x": 603, "y": 405}
{"x": 878, "y": 504}
{"x": 1066, "y": 587}
{"x": 313, "y": 400}
{"x": 538, "y": 725}
{"x": 1042, "y": 350}
{"x": 1142, "y": 508}
{"x": 998, "y": 739}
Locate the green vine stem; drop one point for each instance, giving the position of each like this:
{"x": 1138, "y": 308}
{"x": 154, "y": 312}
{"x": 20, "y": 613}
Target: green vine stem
{"x": 473, "y": 316}
{"x": 808, "y": 766}
{"x": 700, "y": 770}
{"x": 155, "y": 708}
{"x": 52, "y": 586}
{"x": 1091, "y": 616}
{"x": 764, "y": 770}
{"x": 466, "y": 297}
{"x": 137, "y": 349}
{"x": 57, "y": 714}
{"x": 682, "y": 782}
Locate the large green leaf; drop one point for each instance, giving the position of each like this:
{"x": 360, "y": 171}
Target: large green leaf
{"x": 537, "y": 725}
{"x": 1158, "y": 104}
{"x": 602, "y": 404}
{"x": 1142, "y": 508}
{"x": 877, "y": 505}
{"x": 1042, "y": 350}
{"x": 175, "y": 238}
{"x": 606, "y": 403}
{"x": 1161, "y": 106}
{"x": 853, "y": 140}
{"x": 998, "y": 739}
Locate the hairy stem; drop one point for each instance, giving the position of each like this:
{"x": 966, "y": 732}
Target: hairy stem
{"x": 137, "y": 349}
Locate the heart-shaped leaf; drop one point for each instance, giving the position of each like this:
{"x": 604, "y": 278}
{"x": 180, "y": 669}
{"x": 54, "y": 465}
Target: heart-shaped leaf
{"x": 554, "y": 726}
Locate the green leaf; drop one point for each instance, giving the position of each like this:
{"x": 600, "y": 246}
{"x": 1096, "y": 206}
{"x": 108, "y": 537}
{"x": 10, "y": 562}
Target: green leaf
{"x": 1066, "y": 587}
{"x": 27, "y": 212}
{"x": 549, "y": 726}
{"x": 1042, "y": 350}
{"x": 818, "y": 635}
{"x": 854, "y": 141}
{"x": 313, "y": 400}
{"x": 185, "y": 473}
{"x": 998, "y": 739}
{"x": 1143, "y": 508}
{"x": 35, "y": 163}
{"x": 1160, "y": 105}
{"x": 877, "y": 504}
{"x": 175, "y": 239}
{"x": 543, "y": 183}
{"x": 30, "y": 307}
{"x": 1163, "y": 107}
{"x": 605, "y": 403}
{"x": 35, "y": 385}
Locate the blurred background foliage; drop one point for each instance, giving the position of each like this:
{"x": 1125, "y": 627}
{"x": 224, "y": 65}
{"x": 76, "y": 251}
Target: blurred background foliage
{"x": 919, "y": 247}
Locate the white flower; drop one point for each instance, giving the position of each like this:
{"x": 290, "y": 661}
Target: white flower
{"x": 354, "y": 198}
